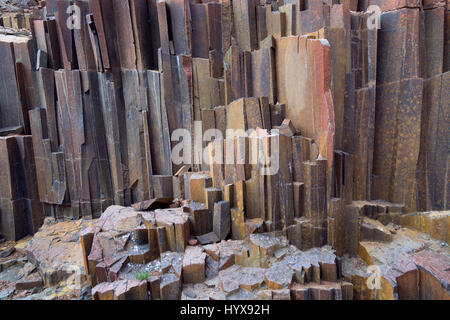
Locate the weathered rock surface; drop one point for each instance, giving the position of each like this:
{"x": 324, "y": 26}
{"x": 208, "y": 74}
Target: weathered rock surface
{"x": 121, "y": 290}
{"x": 401, "y": 267}
{"x": 20, "y": 279}
{"x": 318, "y": 129}
{"x": 434, "y": 274}
{"x": 435, "y": 224}
{"x": 56, "y": 251}
{"x": 194, "y": 260}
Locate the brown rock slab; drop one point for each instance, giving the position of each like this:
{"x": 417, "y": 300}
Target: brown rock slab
{"x": 29, "y": 282}
{"x": 194, "y": 265}
{"x": 372, "y": 230}
{"x": 222, "y": 219}
{"x": 279, "y": 276}
{"x": 56, "y": 250}
{"x": 208, "y": 238}
{"x": 121, "y": 290}
{"x": 237, "y": 277}
{"x": 434, "y": 275}
{"x": 170, "y": 287}
{"x": 287, "y": 128}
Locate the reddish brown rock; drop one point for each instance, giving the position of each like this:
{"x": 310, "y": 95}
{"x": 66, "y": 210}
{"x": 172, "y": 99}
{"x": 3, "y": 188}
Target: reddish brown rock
{"x": 194, "y": 265}
{"x": 60, "y": 259}
{"x": 170, "y": 287}
{"x": 287, "y": 128}
{"x": 29, "y": 282}
{"x": 434, "y": 275}
{"x": 279, "y": 276}
{"x": 121, "y": 290}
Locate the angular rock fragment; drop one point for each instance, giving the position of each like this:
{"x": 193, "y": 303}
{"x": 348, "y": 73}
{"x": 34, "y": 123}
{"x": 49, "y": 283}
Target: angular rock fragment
{"x": 312, "y": 133}
{"x": 371, "y": 230}
{"x": 222, "y": 219}
{"x": 279, "y": 276}
{"x": 29, "y": 282}
{"x": 170, "y": 287}
{"x": 434, "y": 275}
{"x": 287, "y": 128}
{"x": 194, "y": 265}
{"x": 121, "y": 290}
{"x": 208, "y": 238}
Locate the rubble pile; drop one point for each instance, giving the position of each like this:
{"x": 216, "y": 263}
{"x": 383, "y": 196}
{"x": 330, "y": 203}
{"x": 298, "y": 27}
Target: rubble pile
{"x": 128, "y": 255}
{"x": 195, "y": 131}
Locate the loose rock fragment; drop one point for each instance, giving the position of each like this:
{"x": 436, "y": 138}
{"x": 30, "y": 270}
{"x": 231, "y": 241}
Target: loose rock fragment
{"x": 279, "y": 276}
{"x": 222, "y": 219}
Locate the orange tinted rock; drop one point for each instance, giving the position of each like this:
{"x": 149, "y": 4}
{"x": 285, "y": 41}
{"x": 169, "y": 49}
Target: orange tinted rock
{"x": 198, "y": 182}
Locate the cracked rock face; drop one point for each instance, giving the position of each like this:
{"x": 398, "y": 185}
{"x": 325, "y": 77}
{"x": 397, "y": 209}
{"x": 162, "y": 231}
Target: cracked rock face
{"x": 56, "y": 251}
{"x": 36, "y": 270}
{"x": 412, "y": 266}
{"x": 263, "y": 265}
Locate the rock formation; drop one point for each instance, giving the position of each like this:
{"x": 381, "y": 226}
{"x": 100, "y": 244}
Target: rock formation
{"x": 230, "y": 149}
